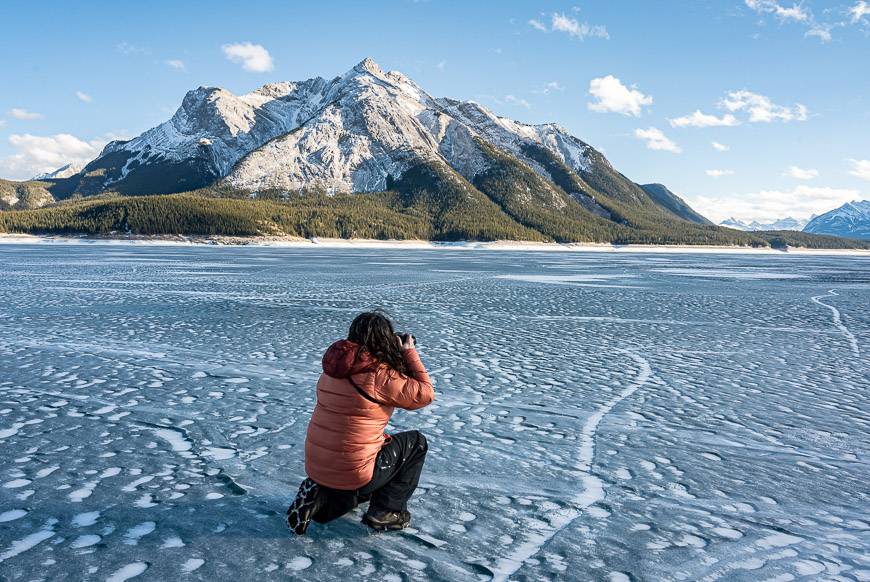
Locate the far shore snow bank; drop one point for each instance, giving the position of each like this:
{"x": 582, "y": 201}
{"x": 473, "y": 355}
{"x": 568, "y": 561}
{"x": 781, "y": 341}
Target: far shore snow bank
{"x": 295, "y": 242}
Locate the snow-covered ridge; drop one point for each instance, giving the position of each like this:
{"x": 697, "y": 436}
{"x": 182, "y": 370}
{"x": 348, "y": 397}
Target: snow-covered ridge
{"x": 851, "y": 220}
{"x": 345, "y": 134}
{"x": 64, "y": 171}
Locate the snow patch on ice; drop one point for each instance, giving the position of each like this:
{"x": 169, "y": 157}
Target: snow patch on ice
{"x": 12, "y": 515}
{"x": 192, "y": 564}
{"x": 126, "y": 572}
{"x": 299, "y": 563}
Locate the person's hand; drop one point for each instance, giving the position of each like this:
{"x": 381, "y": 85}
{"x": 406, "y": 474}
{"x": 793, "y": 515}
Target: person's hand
{"x": 406, "y": 341}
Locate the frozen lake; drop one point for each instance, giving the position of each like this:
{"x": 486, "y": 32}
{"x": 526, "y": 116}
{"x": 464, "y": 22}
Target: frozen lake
{"x": 598, "y": 416}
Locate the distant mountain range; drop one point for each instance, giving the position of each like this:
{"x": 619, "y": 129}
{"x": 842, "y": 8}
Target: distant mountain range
{"x": 367, "y": 154}
{"x": 851, "y": 220}
{"x": 781, "y": 224}
{"x": 64, "y": 171}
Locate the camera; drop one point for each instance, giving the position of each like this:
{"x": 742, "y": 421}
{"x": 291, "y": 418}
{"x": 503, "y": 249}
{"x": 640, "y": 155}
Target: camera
{"x": 405, "y": 336}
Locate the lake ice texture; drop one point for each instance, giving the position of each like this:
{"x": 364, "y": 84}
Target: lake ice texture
{"x": 598, "y": 416}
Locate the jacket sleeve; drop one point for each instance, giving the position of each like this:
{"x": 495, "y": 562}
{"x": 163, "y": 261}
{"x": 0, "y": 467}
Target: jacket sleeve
{"x": 411, "y": 391}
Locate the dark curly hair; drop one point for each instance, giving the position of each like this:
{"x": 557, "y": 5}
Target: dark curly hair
{"x": 374, "y": 331}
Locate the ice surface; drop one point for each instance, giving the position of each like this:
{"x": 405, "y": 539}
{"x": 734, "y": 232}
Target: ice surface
{"x": 597, "y": 418}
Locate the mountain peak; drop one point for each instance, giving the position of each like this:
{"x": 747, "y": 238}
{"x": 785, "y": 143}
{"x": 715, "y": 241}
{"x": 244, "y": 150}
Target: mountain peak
{"x": 851, "y": 220}
{"x": 368, "y": 65}
{"x": 64, "y": 171}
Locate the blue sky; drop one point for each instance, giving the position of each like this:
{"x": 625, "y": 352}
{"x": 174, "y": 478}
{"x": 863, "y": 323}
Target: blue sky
{"x": 784, "y": 86}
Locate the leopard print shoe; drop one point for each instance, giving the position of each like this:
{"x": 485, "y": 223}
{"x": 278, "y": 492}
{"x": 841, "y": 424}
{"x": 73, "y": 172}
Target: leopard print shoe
{"x": 306, "y": 504}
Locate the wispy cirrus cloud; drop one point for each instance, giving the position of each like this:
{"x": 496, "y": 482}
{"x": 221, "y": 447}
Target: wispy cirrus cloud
{"x": 537, "y": 25}
{"x": 253, "y": 57}
{"x": 125, "y": 48}
{"x": 719, "y": 147}
{"x": 719, "y": 173}
{"x": 800, "y": 14}
{"x": 84, "y": 97}
{"x": 560, "y": 22}
{"x": 859, "y": 11}
{"x": 611, "y": 96}
{"x": 656, "y": 140}
{"x": 548, "y": 88}
{"x": 24, "y": 114}
{"x": 514, "y": 100}
{"x": 796, "y": 12}
{"x": 176, "y": 64}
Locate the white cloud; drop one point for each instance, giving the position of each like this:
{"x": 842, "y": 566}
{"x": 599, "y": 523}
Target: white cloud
{"x": 799, "y": 14}
{"x": 801, "y": 173}
{"x": 719, "y": 147}
{"x": 19, "y": 113}
{"x": 822, "y": 31}
{"x": 38, "y": 154}
{"x": 252, "y": 57}
{"x": 562, "y": 23}
{"x": 612, "y": 96}
{"x": 860, "y": 168}
{"x": 719, "y": 173}
{"x": 548, "y": 88}
{"x": 84, "y": 96}
{"x": 698, "y": 119}
{"x": 126, "y": 48}
{"x": 570, "y": 26}
{"x": 859, "y": 11}
{"x": 795, "y": 12}
{"x": 768, "y": 205}
{"x": 761, "y": 109}
{"x": 176, "y": 64}
{"x": 517, "y": 101}
{"x": 656, "y": 140}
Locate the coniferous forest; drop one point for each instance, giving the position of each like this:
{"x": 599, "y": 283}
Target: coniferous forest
{"x": 423, "y": 205}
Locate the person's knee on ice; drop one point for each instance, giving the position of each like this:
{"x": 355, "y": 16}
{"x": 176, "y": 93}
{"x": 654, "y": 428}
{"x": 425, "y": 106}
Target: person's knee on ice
{"x": 365, "y": 378}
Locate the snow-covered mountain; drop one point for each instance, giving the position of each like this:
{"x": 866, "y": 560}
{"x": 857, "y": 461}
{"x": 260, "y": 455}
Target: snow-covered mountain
{"x": 851, "y": 220}
{"x": 64, "y": 171}
{"x": 348, "y": 134}
{"x": 780, "y": 224}
{"x": 360, "y": 132}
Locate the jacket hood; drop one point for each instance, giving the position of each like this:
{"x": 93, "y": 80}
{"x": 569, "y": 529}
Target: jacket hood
{"x": 341, "y": 360}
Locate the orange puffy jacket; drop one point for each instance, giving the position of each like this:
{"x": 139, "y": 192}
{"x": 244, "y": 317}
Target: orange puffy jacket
{"x": 346, "y": 430}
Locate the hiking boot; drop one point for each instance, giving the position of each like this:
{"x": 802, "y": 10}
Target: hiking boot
{"x": 384, "y": 519}
{"x": 308, "y": 501}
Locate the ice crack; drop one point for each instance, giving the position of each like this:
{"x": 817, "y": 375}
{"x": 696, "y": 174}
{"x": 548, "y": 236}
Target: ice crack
{"x": 593, "y": 487}
{"x": 838, "y": 323}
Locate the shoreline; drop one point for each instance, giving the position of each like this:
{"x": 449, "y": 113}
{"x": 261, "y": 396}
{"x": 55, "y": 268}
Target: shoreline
{"x": 314, "y": 243}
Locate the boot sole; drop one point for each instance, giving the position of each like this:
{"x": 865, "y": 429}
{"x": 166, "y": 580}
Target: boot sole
{"x": 386, "y": 526}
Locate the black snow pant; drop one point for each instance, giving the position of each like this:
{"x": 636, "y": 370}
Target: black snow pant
{"x": 397, "y": 471}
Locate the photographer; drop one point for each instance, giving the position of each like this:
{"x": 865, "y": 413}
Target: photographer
{"x": 348, "y": 458}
